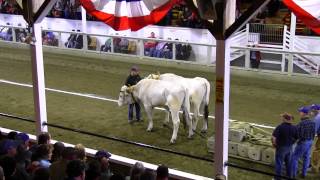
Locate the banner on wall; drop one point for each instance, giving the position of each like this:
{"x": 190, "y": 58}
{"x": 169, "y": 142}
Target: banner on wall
{"x": 306, "y": 10}
{"x": 128, "y": 14}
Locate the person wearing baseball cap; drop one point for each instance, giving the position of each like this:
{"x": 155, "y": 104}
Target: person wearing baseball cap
{"x": 132, "y": 80}
{"x": 306, "y": 133}
{"x": 315, "y": 158}
{"x": 283, "y": 138}
{"x": 102, "y": 157}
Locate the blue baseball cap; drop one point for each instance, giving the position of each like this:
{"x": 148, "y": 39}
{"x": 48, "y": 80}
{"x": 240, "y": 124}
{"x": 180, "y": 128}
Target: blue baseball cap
{"x": 102, "y": 153}
{"x": 315, "y": 107}
{"x": 23, "y": 137}
{"x": 9, "y": 144}
{"x": 304, "y": 109}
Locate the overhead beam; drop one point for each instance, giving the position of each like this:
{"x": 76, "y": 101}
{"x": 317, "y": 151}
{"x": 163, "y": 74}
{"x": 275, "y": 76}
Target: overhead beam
{"x": 44, "y": 10}
{"x": 245, "y": 17}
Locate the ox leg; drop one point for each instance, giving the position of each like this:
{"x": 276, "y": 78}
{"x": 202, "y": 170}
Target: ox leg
{"x": 195, "y": 117}
{"x": 149, "y": 114}
{"x": 176, "y": 122}
{"x": 205, "y": 120}
{"x": 167, "y": 119}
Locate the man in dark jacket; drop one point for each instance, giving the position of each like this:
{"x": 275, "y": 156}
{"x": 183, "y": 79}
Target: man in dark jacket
{"x": 133, "y": 79}
{"x": 283, "y": 137}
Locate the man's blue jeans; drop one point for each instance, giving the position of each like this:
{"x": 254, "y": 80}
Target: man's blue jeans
{"x": 130, "y": 112}
{"x": 283, "y": 155}
{"x": 303, "y": 149}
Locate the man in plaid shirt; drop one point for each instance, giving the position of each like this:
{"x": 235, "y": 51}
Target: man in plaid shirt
{"x": 306, "y": 133}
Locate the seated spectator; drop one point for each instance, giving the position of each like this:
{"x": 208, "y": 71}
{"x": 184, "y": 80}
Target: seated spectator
{"x": 58, "y": 148}
{"x": 183, "y": 51}
{"x": 43, "y": 155}
{"x": 6, "y": 34}
{"x": 158, "y": 50}
{"x": 136, "y": 171}
{"x": 148, "y": 45}
{"x": 41, "y": 174}
{"x": 75, "y": 170}
{"x": 116, "y": 46}
{"x": 49, "y": 39}
{"x": 75, "y": 41}
{"x": 9, "y": 7}
{"x": 107, "y": 46}
{"x": 21, "y": 35}
{"x": 167, "y": 50}
{"x": 124, "y": 43}
{"x": 162, "y": 172}
{"x": 80, "y": 152}
{"x": 75, "y": 7}
{"x": 132, "y": 47}
{"x": 103, "y": 158}
{"x": 58, "y": 168}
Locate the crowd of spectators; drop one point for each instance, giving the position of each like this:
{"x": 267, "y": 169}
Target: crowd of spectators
{"x": 68, "y": 9}
{"x": 22, "y": 160}
{"x": 9, "y": 7}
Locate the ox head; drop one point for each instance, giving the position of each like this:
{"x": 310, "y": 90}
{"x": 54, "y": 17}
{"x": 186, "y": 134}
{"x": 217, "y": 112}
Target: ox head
{"x": 125, "y": 96}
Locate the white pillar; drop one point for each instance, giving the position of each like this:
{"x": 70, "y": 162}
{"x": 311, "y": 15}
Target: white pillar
{"x": 38, "y": 80}
{"x": 84, "y": 28}
{"x": 293, "y": 25}
{"x": 247, "y": 52}
{"x": 283, "y": 59}
{"x": 222, "y": 106}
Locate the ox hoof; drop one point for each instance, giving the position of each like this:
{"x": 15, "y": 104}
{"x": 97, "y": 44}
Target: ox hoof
{"x": 149, "y": 130}
{"x": 173, "y": 141}
{"x": 190, "y": 136}
{"x": 203, "y": 131}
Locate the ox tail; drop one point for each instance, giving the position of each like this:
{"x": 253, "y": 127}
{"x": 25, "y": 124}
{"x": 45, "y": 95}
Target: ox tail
{"x": 206, "y": 101}
{"x": 186, "y": 109}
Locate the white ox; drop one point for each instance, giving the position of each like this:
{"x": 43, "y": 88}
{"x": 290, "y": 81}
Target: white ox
{"x": 199, "y": 94}
{"x": 151, "y": 93}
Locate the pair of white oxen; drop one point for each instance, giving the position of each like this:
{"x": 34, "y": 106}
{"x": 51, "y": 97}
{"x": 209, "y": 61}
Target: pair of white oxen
{"x": 174, "y": 93}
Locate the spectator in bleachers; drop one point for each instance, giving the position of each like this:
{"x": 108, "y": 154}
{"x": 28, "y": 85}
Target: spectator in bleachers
{"x": 43, "y": 155}
{"x": 58, "y": 148}
{"x": 9, "y": 7}
{"x": 283, "y": 138}
{"x": 58, "y": 168}
{"x": 6, "y": 34}
{"x": 306, "y": 133}
{"x": 162, "y": 173}
{"x": 41, "y": 174}
{"x": 167, "y": 50}
{"x": 147, "y": 175}
{"x": 103, "y": 158}
{"x": 136, "y": 170}
{"x": 75, "y": 170}
{"x": 255, "y": 57}
{"x": 116, "y": 44}
{"x": 158, "y": 50}
{"x": 81, "y": 152}
{"x": 9, "y": 167}
{"x": 9, "y": 148}
{"x": 21, "y": 35}
{"x": 12, "y": 135}
{"x": 75, "y": 41}
{"x": 75, "y": 7}
{"x": 149, "y": 45}
{"x": 124, "y": 43}
{"x": 93, "y": 171}
{"x": 107, "y": 46}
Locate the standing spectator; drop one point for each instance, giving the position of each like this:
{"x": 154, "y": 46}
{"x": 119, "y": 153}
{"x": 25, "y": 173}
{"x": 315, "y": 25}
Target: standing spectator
{"x": 93, "y": 171}
{"x": 150, "y": 44}
{"x": 43, "y": 138}
{"x": 136, "y": 171}
{"x": 315, "y": 160}
{"x": 58, "y": 168}
{"x": 43, "y": 155}
{"x": 255, "y": 57}
{"x": 133, "y": 79}
{"x": 58, "y": 148}
{"x": 81, "y": 152}
{"x": 283, "y": 138}
{"x": 162, "y": 172}
{"x": 306, "y": 133}
{"x": 76, "y": 170}
{"x": 9, "y": 166}
{"x": 103, "y": 158}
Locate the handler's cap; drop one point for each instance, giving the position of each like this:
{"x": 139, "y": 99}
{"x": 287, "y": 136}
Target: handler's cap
{"x": 102, "y": 153}
{"x": 304, "y": 109}
{"x": 315, "y": 107}
{"x": 287, "y": 116}
{"x": 134, "y": 68}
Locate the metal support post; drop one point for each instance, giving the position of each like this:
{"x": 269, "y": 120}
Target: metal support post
{"x": 14, "y": 36}
{"x": 293, "y": 25}
{"x": 284, "y": 47}
{"x": 84, "y": 28}
{"x": 174, "y": 51}
{"x": 222, "y": 106}
{"x": 38, "y": 80}
{"x": 247, "y": 52}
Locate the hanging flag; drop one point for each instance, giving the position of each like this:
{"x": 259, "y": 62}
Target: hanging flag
{"x": 306, "y": 10}
{"x": 128, "y": 14}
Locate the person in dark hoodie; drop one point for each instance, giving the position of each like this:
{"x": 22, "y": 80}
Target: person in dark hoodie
{"x": 132, "y": 80}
